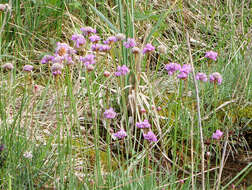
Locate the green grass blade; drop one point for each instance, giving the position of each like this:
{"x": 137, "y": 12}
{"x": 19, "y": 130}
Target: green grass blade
{"x": 104, "y": 18}
{"x": 160, "y": 21}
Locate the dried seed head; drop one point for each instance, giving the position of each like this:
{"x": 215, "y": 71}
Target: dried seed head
{"x": 162, "y": 49}
{"x": 136, "y": 50}
{"x": 90, "y": 68}
{"x": 7, "y": 66}
{"x": 120, "y": 37}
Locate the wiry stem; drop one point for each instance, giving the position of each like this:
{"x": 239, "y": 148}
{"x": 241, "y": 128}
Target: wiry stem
{"x": 198, "y": 111}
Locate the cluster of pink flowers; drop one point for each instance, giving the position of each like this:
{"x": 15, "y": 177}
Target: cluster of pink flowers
{"x": 120, "y": 134}
{"x": 211, "y": 55}
{"x": 94, "y": 38}
{"x": 144, "y": 124}
{"x": 110, "y": 40}
{"x": 217, "y": 135}
{"x": 109, "y": 113}
{"x": 121, "y": 70}
{"x": 172, "y": 68}
{"x": 184, "y": 70}
{"x": 215, "y": 78}
{"x": 88, "y": 30}
{"x": 79, "y": 40}
{"x": 148, "y": 48}
{"x": 150, "y": 136}
{"x": 130, "y": 43}
{"x": 89, "y": 59}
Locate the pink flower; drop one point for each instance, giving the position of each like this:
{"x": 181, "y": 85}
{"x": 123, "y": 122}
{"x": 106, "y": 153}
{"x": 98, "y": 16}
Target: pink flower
{"x": 186, "y": 68}
{"x": 148, "y": 48}
{"x": 182, "y": 75}
{"x": 89, "y": 59}
{"x": 47, "y": 59}
{"x": 150, "y": 136}
{"x": 201, "y": 77}
{"x": 56, "y": 69}
{"x": 104, "y": 48}
{"x": 94, "y": 38}
{"x": 96, "y": 47}
{"x": 63, "y": 49}
{"x": 211, "y": 55}
{"x": 110, "y": 113}
{"x": 120, "y": 134}
{"x": 130, "y": 43}
{"x": 88, "y": 30}
{"x": 184, "y": 71}
{"x": 144, "y": 124}
{"x": 215, "y": 78}
{"x": 110, "y": 40}
{"x": 217, "y": 135}
{"x": 121, "y": 70}
{"x": 172, "y": 67}
{"x": 79, "y": 40}
{"x": 28, "y": 68}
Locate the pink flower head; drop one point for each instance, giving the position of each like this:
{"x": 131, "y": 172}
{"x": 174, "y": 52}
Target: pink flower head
{"x": 28, "y": 68}
{"x": 104, "y": 48}
{"x": 63, "y": 49}
{"x": 201, "y": 76}
{"x": 56, "y": 69}
{"x": 186, "y": 68}
{"x": 110, "y": 40}
{"x": 144, "y": 124}
{"x": 79, "y": 40}
{"x": 47, "y": 59}
{"x": 217, "y": 135}
{"x": 89, "y": 59}
{"x": 110, "y": 113}
{"x": 130, "y": 43}
{"x": 148, "y": 48}
{"x": 58, "y": 59}
{"x": 120, "y": 134}
{"x": 172, "y": 67}
{"x": 94, "y": 38}
{"x": 184, "y": 71}
{"x": 96, "y": 47}
{"x": 150, "y": 136}
{"x": 88, "y": 30}
{"x": 182, "y": 75}
{"x": 211, "y": 55}
{"x": 68, "y": 60}
{"x": 215, "y": 78}
{"x": 121, "y": 70}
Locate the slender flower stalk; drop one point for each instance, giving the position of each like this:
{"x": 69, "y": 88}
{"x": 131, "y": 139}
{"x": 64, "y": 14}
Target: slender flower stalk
{"x": 199, "y": 117}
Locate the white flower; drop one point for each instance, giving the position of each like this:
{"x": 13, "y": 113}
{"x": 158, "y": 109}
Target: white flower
{"x": 28, "y": 154}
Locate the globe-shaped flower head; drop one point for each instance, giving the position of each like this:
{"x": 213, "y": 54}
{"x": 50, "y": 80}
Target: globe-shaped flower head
{"x": 211, "y": 55}
{"x": 215, "y": 78}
